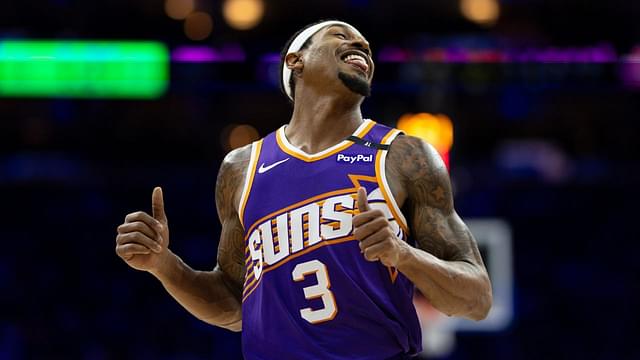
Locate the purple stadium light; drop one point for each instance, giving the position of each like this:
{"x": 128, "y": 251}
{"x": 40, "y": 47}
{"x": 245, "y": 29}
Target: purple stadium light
{"x": 195, "y": 54}
{"x": 233, "y": 53}
{"x": 457, "y": 55}
{"x": 394, "y": 54}
{"x": 603, "y": 53}
{"x": 206, "y": 54}
{"x": 630, "y": 69}
{"x": 270, "y": 58}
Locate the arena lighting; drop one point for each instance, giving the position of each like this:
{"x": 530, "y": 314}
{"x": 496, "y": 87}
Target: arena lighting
{"x": 437, "y": 130}
{"x": 237, "y": 135}
{"x": 83, "y": 69}
{"x": 598, "y": 54}
{"x": 243, "y": 14}
{"x": 482, "y": 12}
{"x": 207, "y": 54}
{"x": 179, "y": 9}
{"x": 198, "y": 25}
{"x": 195, "y": 54}
{"x": 630, "y": 69}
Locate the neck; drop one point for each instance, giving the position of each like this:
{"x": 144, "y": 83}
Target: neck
{"x": 320, "y": 121}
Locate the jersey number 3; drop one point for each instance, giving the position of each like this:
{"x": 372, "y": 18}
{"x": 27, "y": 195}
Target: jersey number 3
{"x": 320, "y": 290}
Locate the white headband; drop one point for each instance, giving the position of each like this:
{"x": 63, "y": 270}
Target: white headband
{"x": 302, "y": 38}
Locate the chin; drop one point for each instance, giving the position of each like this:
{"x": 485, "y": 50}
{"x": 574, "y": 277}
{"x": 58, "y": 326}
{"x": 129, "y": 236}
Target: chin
{"x": 355, "y": 83}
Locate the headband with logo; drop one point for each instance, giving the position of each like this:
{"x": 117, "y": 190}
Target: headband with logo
{"x": 302, "y": 38}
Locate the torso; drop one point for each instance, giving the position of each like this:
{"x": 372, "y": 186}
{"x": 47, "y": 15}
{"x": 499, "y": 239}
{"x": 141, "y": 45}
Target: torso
{"x": 309, "y": 292}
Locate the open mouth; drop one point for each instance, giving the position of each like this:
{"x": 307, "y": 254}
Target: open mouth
{"x": 356, "y": 59}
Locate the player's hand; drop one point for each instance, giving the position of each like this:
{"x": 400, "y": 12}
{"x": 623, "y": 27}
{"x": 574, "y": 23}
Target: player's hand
{"x": 377, "y": 239}
{"x": 143, "y": 240}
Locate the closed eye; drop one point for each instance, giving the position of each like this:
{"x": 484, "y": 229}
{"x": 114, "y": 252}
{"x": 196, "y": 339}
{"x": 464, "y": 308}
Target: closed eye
{"x": 341, "y": 35}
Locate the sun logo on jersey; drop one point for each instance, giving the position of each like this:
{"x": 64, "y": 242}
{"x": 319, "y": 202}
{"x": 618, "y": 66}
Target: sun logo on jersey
{"x": 319, "y": 221}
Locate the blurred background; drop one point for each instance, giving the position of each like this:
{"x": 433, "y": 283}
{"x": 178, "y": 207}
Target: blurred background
{"x": 534, "y": 104}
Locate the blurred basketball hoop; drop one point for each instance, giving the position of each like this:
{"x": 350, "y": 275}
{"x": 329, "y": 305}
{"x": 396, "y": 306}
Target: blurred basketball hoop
{"x": 438, "y": 330}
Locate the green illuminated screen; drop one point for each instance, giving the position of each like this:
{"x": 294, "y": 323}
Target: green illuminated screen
{"x": 83, "y": 69}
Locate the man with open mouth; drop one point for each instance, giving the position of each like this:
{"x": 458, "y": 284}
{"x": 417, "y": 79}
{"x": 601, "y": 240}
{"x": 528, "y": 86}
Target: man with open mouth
{"x": 328, "y": 224}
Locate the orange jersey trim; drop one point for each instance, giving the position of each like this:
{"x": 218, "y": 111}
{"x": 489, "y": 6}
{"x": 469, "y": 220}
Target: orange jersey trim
{"x": 386, "y": 192}
{"x": 393, "y": 274}
{"x": 251, "y": 172}
{"x": 299, "y": 154}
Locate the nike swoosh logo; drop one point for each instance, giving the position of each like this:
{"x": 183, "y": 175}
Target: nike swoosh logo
{"x": 264, "y": 169}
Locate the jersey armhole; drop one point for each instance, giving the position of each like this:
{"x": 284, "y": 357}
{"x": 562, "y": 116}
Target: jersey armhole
{"x": 248, "y": 179}
{"x": 381, "y": 176}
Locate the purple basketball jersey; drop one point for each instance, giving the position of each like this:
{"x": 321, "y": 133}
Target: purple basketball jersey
{"x": 309, "y": 293}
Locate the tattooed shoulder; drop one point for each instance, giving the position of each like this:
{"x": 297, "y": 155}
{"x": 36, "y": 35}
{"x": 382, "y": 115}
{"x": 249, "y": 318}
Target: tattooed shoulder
{"x": 231, "y": 179}
{"x": 417, "y": 173}
{"x": 435, "y": 226}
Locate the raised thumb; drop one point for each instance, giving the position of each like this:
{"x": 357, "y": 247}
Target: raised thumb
{"x": 157, "y": 205}
{"x": 363, "y": 203}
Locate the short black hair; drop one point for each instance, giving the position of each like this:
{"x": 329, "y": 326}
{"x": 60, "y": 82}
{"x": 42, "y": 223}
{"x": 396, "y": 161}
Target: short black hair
{"x": 283, "y": 55}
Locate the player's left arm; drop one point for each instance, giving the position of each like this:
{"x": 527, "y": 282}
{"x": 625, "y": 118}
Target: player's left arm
{"x": 445, "y": 265}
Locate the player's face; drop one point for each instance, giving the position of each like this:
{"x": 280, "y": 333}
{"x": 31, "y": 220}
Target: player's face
{"x": 344, "y": 54}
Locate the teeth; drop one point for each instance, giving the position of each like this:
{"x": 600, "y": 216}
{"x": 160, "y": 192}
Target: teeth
{"x": 356, "y": 58}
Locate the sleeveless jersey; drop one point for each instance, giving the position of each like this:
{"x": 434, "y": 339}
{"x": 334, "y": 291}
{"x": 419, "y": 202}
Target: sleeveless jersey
{"x": 309, "y": 293}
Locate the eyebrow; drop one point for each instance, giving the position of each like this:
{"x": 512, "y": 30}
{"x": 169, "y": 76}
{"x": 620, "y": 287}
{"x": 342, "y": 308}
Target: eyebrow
{"x": 346, "y": 28}
{"x": 343, "y": 28}
{"x": 336, "y": 25}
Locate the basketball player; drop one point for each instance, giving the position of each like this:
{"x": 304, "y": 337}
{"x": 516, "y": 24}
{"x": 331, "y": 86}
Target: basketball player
{"x": 328, "y": 224}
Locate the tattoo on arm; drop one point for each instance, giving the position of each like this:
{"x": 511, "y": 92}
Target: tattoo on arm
{"x": 420, "y": 173}
{"x": 448, "y": 271}
{"x": 231, "y": 247}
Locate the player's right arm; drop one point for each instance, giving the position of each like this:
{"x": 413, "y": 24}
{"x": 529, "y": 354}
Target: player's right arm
{"x": 211, "y": 296}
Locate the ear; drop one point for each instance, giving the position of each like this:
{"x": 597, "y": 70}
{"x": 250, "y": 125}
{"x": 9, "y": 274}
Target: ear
{"x": 294, "y": 62}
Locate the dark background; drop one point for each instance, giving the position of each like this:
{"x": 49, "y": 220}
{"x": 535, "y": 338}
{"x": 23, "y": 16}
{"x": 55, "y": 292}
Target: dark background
{"x": 549, "y": 147}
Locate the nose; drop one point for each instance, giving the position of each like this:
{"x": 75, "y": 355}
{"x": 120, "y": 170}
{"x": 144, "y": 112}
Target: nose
{"x": 361, "y": 44}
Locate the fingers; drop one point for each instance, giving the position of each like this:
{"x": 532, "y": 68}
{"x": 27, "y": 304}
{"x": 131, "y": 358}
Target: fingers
{"x": 157, "y": 204}
{"x": 365, "y": 217}
{"x": 379, "y": 236}
{"x": 138, "y": 226}
{"x": 374, "y": 252}
{"x": 139, "y": 238}
{"x": 363, "y": 231}
{"x": 127, "y": 251}
{"x": 363, "y": 203}
{"x": 141, "y": 233}
{"x": 145, "y": 218}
